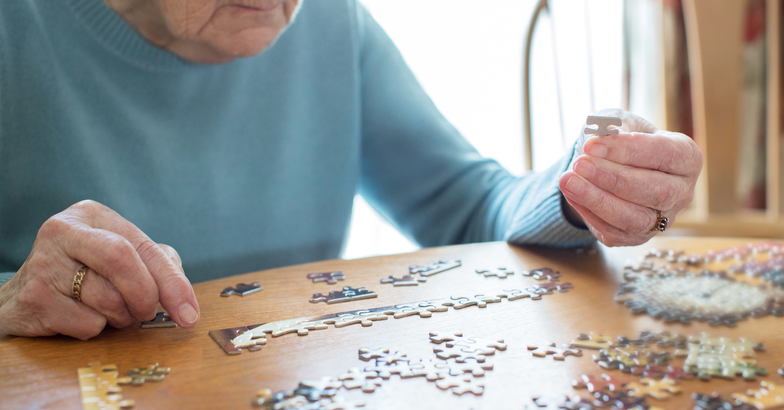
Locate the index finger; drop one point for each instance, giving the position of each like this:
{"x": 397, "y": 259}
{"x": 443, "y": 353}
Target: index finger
{"x": 665, "y": 151}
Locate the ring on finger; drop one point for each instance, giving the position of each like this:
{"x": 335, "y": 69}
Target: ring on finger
{"x": 77, "y": 283}
{"x": 661, "y": 222}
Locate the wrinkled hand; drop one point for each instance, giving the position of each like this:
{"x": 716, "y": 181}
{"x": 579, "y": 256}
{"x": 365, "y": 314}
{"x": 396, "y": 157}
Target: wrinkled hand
{"x": 620, "y": 182}
{"x": 128, "y": 275}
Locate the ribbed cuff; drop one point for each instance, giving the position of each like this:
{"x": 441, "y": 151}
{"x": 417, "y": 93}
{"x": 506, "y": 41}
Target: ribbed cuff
{"x": 5, "y": 277}
{"x": 547, "y": 225}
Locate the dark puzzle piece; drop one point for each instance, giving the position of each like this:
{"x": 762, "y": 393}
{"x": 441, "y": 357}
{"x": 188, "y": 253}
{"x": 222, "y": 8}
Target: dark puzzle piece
{"x": 162, "y": 319}
{"x": 602, "y": 125}
{"x": 330, "y": 278}
{"x": 347, "y": 294}
{"x": 435, "y": 267}
{"x": 241, "y": 289}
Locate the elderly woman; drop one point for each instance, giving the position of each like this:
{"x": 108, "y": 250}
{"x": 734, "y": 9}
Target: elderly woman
{"x": 240, "y": 134}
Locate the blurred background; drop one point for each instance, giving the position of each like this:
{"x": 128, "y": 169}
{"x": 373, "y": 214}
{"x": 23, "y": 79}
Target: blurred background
{"x": 710, "y": 69}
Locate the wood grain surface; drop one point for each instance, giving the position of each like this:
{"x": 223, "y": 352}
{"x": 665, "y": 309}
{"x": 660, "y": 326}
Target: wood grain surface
{"x": 42, "y": 372}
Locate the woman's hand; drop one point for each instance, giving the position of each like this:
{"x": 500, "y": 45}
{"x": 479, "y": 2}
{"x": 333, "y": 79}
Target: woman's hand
{"x": 622, "y": 180}
{"x": 127, "y": 275}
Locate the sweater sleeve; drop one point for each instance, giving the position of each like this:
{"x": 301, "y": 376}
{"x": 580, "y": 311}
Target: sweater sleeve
{"x": 425, "y": 178}
{"x": 5, "y": 277}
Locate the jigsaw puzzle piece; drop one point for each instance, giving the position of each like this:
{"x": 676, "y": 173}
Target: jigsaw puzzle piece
{"x": 592, "y": 341}
{"x": 162, "y": 319}
{"x": 242, "y": 289}
{"x": 382, "y": 356}
{"x": 550, "y": 349}
{"x": 356, "y": 378}
{"x": 347, "y": 294}
{"x": 386, "y": 371}
{"x": 769, "y": 396}
{"x": 461, "y": 384}
{"x": 406, "y": 280}
{"x": 657, "y": 389}
{"x": 430, "y": 369}
{"x": 515, "y": 294}
{"x": 602, "y": 125}
{"x": 481, "y": 301}
{"x": 329, "y": 278}
{"x": 435, "y": 267}
{"x": 543, "y": 274}
{"x": 314, "y": 390}
{"x": 423, "y": 309}
{"x": 500, "y": 273}
{"x": 459, "y": 353}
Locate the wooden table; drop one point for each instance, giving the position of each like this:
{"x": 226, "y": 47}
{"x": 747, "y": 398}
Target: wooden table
{"x": 42, "y": 372}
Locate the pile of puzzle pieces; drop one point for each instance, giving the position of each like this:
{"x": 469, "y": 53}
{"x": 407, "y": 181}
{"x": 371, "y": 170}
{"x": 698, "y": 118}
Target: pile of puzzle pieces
{"x": 459, "y": 367}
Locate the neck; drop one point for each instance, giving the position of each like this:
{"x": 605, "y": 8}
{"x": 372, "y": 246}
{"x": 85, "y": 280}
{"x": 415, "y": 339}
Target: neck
{"x": 147, "y": 19}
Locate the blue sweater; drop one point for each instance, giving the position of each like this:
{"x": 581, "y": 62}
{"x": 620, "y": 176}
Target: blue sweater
{"x": 247, "y": 165}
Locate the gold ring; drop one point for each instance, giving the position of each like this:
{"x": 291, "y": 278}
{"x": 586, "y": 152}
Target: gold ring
{"x": 77, "y": 284}
{"x": 661, "y": 223}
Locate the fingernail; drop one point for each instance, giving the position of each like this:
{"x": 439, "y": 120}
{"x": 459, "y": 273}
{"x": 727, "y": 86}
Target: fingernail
{"x": 585, "y": 168}
{"x": 575, "y": 185}
{"x": 188, "y": 313}
{"x": 596, "y": 150}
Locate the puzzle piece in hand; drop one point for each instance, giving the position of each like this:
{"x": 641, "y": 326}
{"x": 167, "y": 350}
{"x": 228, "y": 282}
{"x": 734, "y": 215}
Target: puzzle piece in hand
{"x": 355, "y": 377}
{"x": 550, "y": 349}
{"x": 406, "y": 280}
{"x": 347, "y": 294}
{"x": 435, "y": 267}
{"x": 592, "y": 341}
{"x": 461, "y": 384}
{"x": 770, "y": 396}
{"x": 138, "y": 375}
{"x": 481, "y": 301}
{"x": 330, "y": 278}
{"x": 162, "y": 319}
{"x": 658, "y": 389}
{"x": 382, "y": 356}
{"x": 543, "y": 274}
{"x": 242, "y": 289}
{"x": 316, "y": 389}
{"x": 602, "y": 125}
{"x": 501, "y": 273}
